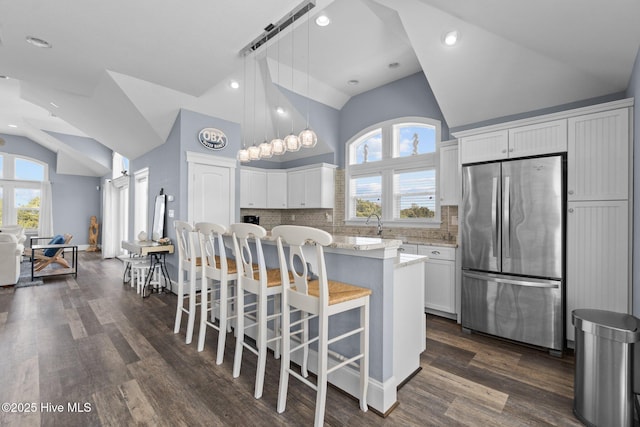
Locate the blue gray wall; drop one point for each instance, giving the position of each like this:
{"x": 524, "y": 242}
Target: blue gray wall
{"x": 633, "y": 90}
{"x": 75, "y": 198}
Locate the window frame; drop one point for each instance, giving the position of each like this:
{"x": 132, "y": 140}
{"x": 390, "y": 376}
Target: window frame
{"x": 388, "y": 167}
{"x": 9, "y": 186}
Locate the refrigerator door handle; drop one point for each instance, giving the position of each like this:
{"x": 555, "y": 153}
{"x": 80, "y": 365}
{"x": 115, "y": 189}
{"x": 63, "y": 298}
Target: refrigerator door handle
{"x": 537, "y": 283}
{"x": 506, "y": 218}
{"x": 494, "y": 215}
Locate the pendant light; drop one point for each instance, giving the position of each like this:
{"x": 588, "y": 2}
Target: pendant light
{"x": 307, "y": 137}
{"x": 291, "y": 141}
{"x": 277, "y": 144}
{"x": 266, "y": 149}
{"x": 254, "y": 150}
{"x": 243, "y": 154}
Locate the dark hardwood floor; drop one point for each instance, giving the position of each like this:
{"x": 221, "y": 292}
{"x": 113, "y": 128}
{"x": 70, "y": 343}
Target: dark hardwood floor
{"x": 93, "y": 341}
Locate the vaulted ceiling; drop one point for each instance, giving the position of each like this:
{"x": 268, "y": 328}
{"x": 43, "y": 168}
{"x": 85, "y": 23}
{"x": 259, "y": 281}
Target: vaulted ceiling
{"x": 119, "y": 71}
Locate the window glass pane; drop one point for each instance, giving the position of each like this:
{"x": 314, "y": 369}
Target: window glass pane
{"x": 415, "y": 194}
{"x": 413, "y": 139}
{"x": 1, "y": 167}
{"x": 1, "y": 204}
{"x": 27, "y": 203}
{"x": 28, "y": 170}
{"x": 366, "y": 198}
{"x": 368, "y": 149}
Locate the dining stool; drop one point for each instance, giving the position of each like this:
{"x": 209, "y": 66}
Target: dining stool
{"x": 319, "y": 298}
{"x": 190, "y": 263}
{"x": 256, "y": 286}
{"x": 219, "y": 296}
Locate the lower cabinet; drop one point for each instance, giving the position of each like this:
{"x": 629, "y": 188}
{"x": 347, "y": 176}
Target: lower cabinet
{"x": 597, "y": 258}
{"x": 440, "y": 280}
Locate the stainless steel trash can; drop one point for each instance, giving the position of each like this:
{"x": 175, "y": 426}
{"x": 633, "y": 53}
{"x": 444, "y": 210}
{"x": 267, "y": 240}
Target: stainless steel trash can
{"x": 604, "y": 349}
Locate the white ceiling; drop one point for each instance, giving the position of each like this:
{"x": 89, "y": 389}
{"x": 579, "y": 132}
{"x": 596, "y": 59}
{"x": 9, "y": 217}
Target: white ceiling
{"x": 119, "y": 71}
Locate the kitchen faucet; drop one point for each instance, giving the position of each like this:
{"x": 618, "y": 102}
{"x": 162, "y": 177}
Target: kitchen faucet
{"x": 379, "y": 223}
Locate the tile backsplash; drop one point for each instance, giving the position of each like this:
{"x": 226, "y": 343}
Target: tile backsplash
{"x": 332, "y": 220}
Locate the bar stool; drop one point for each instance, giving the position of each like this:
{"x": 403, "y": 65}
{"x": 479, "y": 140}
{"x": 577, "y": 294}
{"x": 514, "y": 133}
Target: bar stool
{"x": 319, "y": 298}
{"x": 222, "y": 271}
{"x": 256, "y": 285}
{"x": 139, "y": 272}
{"x": 191, "y": 264}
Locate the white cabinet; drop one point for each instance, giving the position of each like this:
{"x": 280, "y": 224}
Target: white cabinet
{"x": 484, "y": 147}
{"x": 440, "y": 279}
{"x": 277, "y": 189}
{"x": 597, "y": 257}
{"x": 598, "y": 226}
{"x": 253, "y": 189}
{"x": 409, "y": 248}
{"x": 449, "y": 175}
{"x": 311, "y": 187}
{"x": 598, "y": 161}
{"x": 521, "y": 141}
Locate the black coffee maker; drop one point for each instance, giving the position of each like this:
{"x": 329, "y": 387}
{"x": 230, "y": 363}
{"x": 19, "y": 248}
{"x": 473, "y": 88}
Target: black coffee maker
{"x": 251, "y": 219}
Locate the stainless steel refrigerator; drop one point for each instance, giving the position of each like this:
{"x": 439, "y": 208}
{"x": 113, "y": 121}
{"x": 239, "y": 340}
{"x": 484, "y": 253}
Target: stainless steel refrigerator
{"x": 512, "y": 244}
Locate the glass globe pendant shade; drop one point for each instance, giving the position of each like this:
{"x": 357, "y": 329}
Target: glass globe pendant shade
{"x": 243, "y": 155}
{"x": 308, "y": 138}
{"x": 254, "y": 152}
{"x": 278, "y": 147}
{"x": 292, "y": 142}
{"x": 266, "y": 150}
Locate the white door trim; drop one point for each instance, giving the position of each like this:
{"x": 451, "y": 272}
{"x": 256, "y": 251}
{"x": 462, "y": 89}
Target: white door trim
{"x": 207, "y": 159}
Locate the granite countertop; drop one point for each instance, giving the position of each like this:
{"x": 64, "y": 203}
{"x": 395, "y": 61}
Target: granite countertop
{"x": 445, "y": 243}
{"x": 403, "y": 259}
{"x": 360, "y": 243}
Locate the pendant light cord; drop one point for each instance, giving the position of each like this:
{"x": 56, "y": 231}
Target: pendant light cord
{"x": 308, "y": 56}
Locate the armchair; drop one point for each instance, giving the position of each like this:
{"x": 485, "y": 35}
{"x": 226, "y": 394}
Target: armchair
{"x": 16, "y": 230}
{"x": 10, "y": 256}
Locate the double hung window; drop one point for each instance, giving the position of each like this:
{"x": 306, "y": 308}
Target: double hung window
{"x": 392, "y": 171}
{"x": 21, "y": 190}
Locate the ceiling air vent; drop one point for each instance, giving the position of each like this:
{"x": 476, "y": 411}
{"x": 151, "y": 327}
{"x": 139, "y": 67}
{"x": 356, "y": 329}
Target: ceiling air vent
{"x": 272, "y": 30}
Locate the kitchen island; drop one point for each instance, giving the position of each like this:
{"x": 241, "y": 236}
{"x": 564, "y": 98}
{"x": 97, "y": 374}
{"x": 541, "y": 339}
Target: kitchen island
{"x": 397, "y": 320}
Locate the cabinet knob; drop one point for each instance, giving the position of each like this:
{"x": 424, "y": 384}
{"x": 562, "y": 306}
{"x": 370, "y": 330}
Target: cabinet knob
{"x": 504, "y": 151}
{"x": 570, "y": 191}
{"x": 435, "y": 252}
{"x": 511, "y": 150}
{"x": 570, "y": 210}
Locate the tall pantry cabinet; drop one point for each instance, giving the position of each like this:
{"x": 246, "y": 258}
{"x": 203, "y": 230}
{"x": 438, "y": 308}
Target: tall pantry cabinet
{"x": 598, "y": 228}
{"x": 597, "y": 142}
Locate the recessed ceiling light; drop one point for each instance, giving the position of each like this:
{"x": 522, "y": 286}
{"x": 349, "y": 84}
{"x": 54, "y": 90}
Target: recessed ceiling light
{"x": 323, "y": 21}
{"x": 38, "y": 42}
{"x": 234, "y": 84}
{"x": 280, "y": 111}
{"x": 451, "y": 38}
{"x": 53, "y": 104}
{"x": 13, "y": 126}
{"x": 353, "y": 82}
{"x": 394, "y": 65}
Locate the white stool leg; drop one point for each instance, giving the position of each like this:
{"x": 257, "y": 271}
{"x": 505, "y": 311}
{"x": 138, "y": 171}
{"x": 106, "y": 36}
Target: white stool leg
{"x": 261, "y": 344}
{"x": 286, "y": 358}
{"x": 364, "y": 362}
{"x": 237, "y": 357}
{"x": 180, "y": 304}
{"x": 204, "y": 307}
{"x": 192, "y": 307}
{"x": 323, "y": 350}
{"x": 222, "y": 332}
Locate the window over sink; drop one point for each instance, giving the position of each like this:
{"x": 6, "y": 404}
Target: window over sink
{"x": 392, "y": 171}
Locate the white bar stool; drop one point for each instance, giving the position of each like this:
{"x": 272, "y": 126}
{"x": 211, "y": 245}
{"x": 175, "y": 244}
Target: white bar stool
{"x": 188, "y": 263}
{"x": 139, "y": 272}
{"x": 319, "y": 298}
{"x": 222, "y": 272}
{"x": 256, "y": 285}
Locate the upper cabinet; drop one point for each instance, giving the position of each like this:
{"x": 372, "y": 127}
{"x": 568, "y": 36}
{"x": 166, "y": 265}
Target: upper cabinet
{"x": 277, "y": 189}
{"x": 521, "y": 141}
{"x": 311, "y": 187}
{"x": 599, "y": 156}
{"x": 253, "y": 188}
{"x": 449, "y": 175}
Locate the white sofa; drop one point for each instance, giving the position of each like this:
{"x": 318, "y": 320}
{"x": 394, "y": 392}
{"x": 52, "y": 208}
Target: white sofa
{"x": 17, "y": 230}
{"x": 10, "y": 256}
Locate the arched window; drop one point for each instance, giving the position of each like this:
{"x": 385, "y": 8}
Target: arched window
{"x": 21, "y": 190}
{"x": 392, "y": 171}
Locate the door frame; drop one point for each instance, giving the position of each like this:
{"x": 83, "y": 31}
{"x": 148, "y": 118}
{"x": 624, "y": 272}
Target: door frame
{"x": 194, "y": 158}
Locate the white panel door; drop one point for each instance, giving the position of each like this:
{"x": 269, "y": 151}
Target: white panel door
{"x": 541, "y": 138}
{"x": 484, "y": 147}
{"x": 598, "y": 159}
{"x": 597, "y": 258}
{"x": 211, "y": 195}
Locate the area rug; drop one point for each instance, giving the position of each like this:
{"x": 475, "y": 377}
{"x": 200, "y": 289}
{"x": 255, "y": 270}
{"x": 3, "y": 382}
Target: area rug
{"x": 25, "y": 276}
